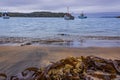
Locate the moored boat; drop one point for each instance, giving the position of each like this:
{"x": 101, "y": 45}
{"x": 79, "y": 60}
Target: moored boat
{"x": 5, "y": 15}
{"x": 68, "y": 16}
{"x": 82, "y": 16}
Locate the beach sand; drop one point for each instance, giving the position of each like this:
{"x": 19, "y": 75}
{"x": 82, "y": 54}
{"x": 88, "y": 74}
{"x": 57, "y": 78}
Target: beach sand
{"x": 14, "y": 59}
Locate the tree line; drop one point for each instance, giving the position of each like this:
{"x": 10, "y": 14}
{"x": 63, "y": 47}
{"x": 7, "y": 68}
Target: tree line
{"x": 35, "y": 14}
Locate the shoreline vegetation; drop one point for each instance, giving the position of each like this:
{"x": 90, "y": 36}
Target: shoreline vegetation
{"x": 35, "y": 14}
{"x": 59, "y": 14}
{"x": 53, "y": 63}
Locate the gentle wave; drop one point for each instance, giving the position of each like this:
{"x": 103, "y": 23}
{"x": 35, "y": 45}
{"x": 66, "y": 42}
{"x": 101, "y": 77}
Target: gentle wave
{"x": 81, "y": 41}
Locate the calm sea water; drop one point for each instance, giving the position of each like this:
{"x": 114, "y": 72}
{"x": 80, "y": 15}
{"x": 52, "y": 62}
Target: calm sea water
{"x": 46, "y": 27}
{"x": 51, "y": 28}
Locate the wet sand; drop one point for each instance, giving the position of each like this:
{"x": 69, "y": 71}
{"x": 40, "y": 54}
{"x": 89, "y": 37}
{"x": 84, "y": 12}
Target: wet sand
{"x": 14, "y": 59}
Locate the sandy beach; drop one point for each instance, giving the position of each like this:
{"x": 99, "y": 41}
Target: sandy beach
{"x": 14, "y": 59}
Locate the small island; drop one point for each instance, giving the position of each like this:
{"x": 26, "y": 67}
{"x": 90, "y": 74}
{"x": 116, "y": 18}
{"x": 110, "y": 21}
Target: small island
{"x": 35, "y": 14}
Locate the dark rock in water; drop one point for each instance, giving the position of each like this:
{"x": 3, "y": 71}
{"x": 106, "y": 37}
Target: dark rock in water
{"x": 118, "y": 17}
{"x": 27, "y": 43}
{"x": 63, "y": 34}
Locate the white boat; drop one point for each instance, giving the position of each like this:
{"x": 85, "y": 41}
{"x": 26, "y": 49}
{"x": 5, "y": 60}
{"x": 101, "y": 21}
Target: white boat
{"x": 5, "y": 15}
{"x": 68, "y": 16}
{"x": 82, "y": 16}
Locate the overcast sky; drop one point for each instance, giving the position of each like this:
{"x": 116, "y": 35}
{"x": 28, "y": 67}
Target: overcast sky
{"x": 75, "y": 6}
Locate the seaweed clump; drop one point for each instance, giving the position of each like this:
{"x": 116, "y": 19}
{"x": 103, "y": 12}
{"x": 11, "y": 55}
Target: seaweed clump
{"x": 72, "y": 68}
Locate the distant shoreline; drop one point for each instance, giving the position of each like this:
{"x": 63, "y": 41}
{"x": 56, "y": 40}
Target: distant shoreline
{"x": 35, "y": 14}
{"x": 61, "y": 14}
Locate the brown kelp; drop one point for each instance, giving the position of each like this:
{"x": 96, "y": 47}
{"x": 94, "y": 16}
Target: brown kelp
{"x": 72, "y": 68}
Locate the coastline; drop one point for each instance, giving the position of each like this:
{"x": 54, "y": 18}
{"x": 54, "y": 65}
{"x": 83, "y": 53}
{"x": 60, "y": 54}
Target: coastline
{"x": 14, "y": 59}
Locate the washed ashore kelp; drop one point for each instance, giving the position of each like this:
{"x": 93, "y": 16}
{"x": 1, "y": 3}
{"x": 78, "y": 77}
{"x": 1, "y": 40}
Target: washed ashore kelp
{"x": 79, "y": 68}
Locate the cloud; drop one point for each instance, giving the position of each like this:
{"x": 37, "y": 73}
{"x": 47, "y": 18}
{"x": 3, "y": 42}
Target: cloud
{"x": 60, "y": 5}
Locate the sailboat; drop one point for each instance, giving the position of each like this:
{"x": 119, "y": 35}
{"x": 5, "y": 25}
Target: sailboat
{"x": 68, "y": 16}
{"x": 82, "y": 16}
{"x": 5, "y": 15}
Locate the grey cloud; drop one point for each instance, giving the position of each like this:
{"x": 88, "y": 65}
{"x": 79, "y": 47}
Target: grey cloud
{"x": 60, "y": 5}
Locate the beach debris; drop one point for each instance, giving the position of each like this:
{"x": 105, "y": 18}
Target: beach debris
{"x": 3, "y": 76}
{"x": 73, "y": 68}
{"x": 27, "y": 74}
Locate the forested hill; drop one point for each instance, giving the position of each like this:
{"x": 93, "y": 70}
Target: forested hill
{"x": 35, "y": 14}
{"x": 53, "y": 14}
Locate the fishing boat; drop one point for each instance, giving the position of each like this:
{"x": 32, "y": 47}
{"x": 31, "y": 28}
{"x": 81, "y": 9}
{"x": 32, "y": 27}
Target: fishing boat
{"x": 68, "y": 16}
{"x": 5, "y": 15}
{"x": 82, "y": 16}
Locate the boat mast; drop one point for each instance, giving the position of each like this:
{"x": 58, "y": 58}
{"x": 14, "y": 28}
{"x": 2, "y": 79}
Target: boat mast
{"x": 67, "y": 9}
{"x": 82, "y": 14}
